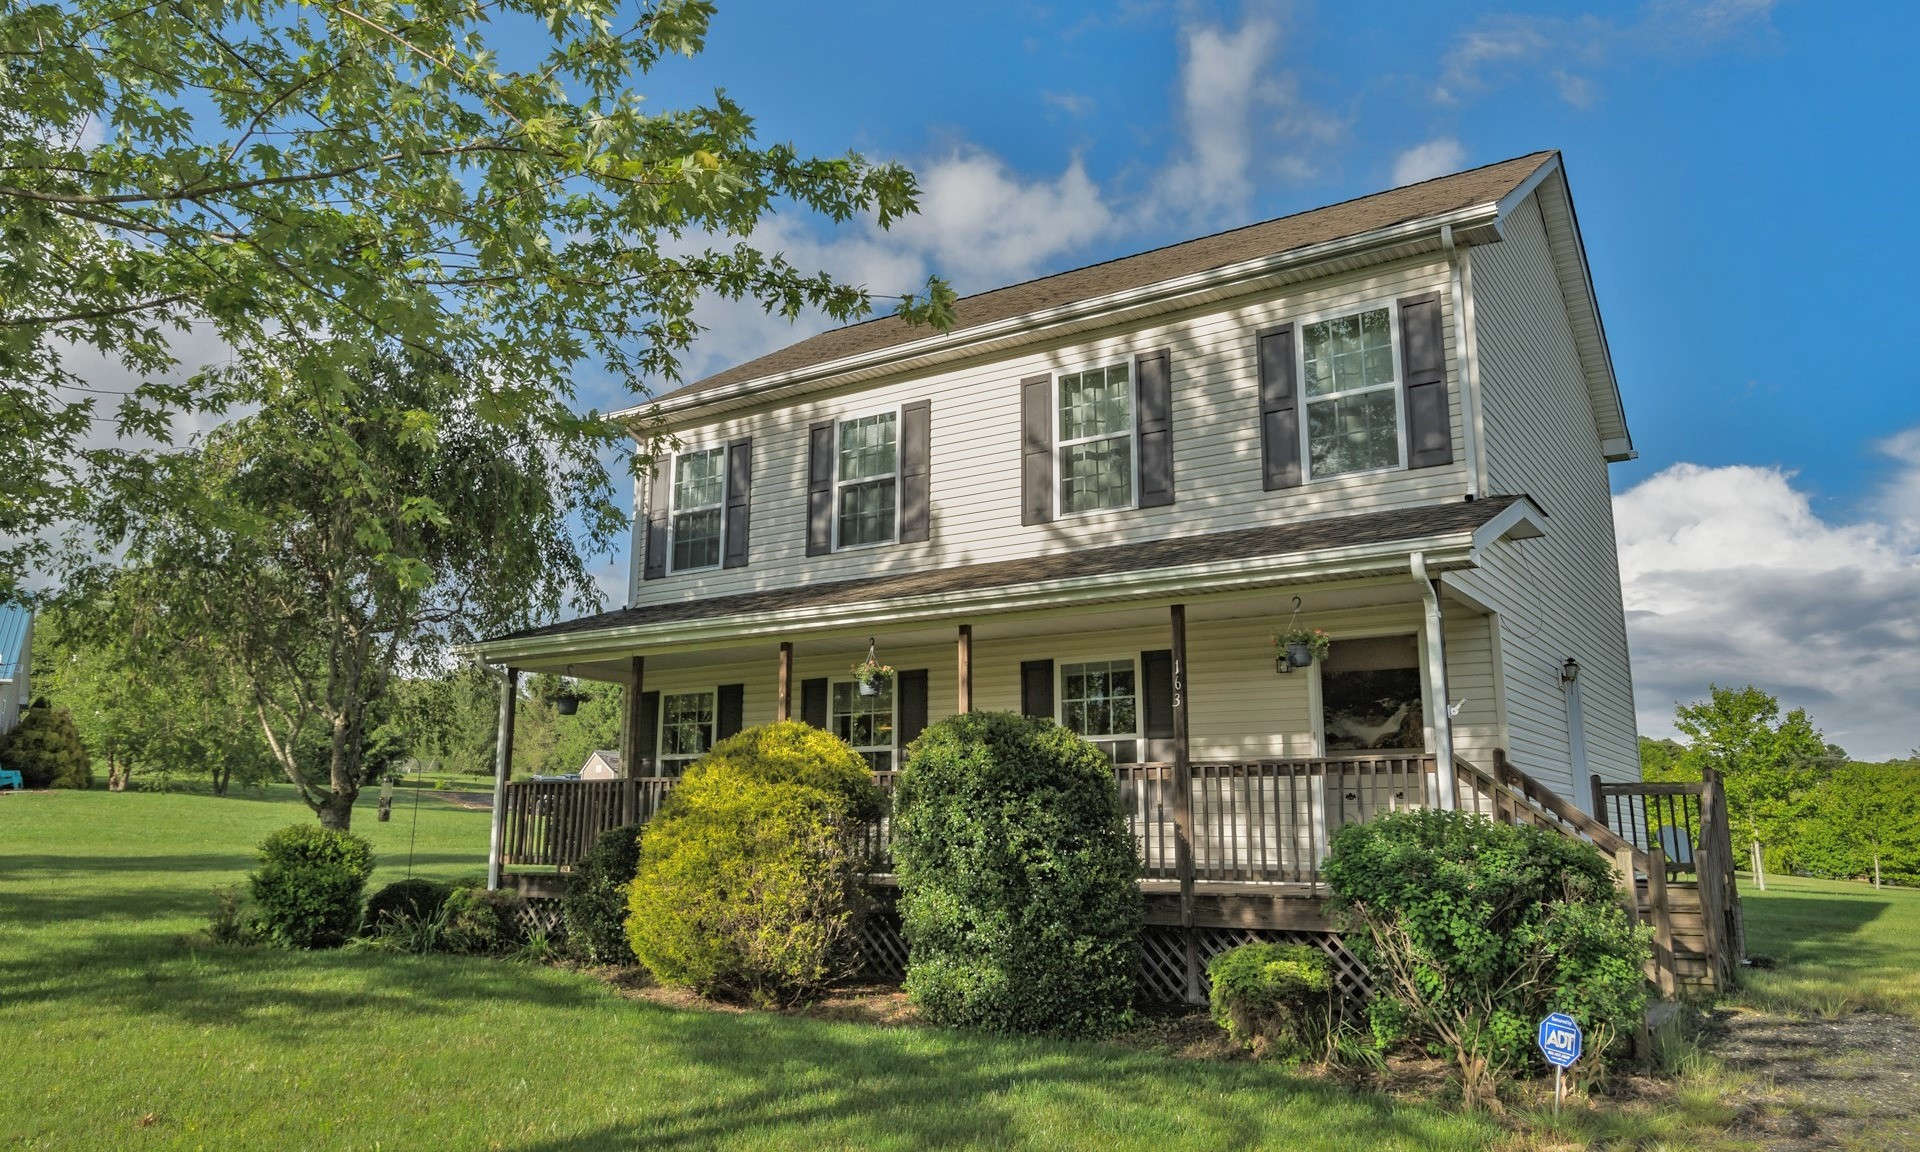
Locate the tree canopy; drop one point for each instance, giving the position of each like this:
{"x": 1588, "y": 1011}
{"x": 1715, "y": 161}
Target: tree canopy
{"x": 478, "y": 183}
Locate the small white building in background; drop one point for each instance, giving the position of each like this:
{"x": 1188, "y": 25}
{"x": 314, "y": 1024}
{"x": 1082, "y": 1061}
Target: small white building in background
{"x": 602, "y": 765}
{"x": 16, "y": 662}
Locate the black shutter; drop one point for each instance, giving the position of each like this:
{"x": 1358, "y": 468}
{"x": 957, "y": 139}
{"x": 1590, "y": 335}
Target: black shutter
{"x": 916, "y": 445}
{"x": 1036, "y": 688}
{"x": 657, "y": 519}
{"x": 820, "y": 489}
{"x": 729, "y": 713}
{"x": 1036, "y": 450}
{"x": 910, "y": 697}
{"x": 1279, "y": 410}
{"x": 1156, "y": 704}
{"x": 1423, "y": 361}
{"x": 813, "y": 702}
{"x": 739, "y": 499}
{"x": 646, "y": 742}
{"x": 1153, "y": 417}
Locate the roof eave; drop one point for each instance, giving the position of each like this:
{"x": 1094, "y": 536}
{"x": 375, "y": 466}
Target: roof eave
{"x": 1445, "y": 552}
{"x": 1485, "y": 215}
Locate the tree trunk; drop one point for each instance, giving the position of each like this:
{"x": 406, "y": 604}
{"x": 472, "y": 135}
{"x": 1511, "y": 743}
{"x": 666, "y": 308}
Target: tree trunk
{"x": 1759, "y": 868}
{"x": 116, "y": 775}
{"x": 1876, "y": 871}
{"x": 336, "y": 811}
{"x": 221, "y": 777}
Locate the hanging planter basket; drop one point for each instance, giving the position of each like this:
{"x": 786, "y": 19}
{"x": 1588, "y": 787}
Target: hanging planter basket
{"x": 1299, "y": 654}
{"x": 1297, "y": 646}
{"x": 871, "y": 675}
{"x": 566, "y": 703}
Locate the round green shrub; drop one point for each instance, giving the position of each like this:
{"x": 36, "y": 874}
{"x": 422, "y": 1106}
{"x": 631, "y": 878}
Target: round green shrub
{"x": 45, "y": 748}
{"x": 479, "y": 922}
{"x": 414, "y": 898}
{"x": 1474, "y": 930}
{"x": 1018, "y": 893}
{"x": 749, "y": 879}
{"x": 308, "y": 886}
{"x": 594, "y": 907}
{"x": 1276, "y": 999}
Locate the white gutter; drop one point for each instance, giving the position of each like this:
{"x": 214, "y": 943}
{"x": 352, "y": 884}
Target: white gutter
{"x": 1473, "y": 216}
{"x": 1453, "y": 550}
{"x": 1436, "y": 678}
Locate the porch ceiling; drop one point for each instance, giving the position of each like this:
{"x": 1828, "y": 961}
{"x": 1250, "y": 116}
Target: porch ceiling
{"x": 1350, "y": 561}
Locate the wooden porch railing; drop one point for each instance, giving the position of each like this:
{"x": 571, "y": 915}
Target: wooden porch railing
{"x": 1684, "y": 825}
{"x": 553, "y": 823}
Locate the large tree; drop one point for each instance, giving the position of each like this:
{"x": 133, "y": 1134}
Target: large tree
{"x": 349, "y": 532}
{"x": 478, "y": 181}
{"x": 1864, "y": 820}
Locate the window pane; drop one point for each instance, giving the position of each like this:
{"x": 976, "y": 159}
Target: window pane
{"x": 867, "y": 447}
{"x": 686, "y": 724}
{"x": 1370, "y": 693}
{"x": 865, "y": 722}
{"x": 1096, "y": 403}
{"x": 1098, "y": 698}
{"x": 1349, "y": 352}
{"x": 696, "y": 539}
{"x": 699, "y": 478}
{"x": 1352, "y": 433}
{"x": 866, "y": 512}
{"x": 1097, "y": 474}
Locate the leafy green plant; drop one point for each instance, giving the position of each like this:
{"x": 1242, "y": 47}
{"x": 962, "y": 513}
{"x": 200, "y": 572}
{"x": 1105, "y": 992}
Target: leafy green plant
{"x": 1017, "y": 878}
{"x": 748, "y": 885}
{"x": 1474, "y": 930}
{"x": 1316, "y": 640}
{"x": 479, "y": 922}
{"x": 414, "y": 897}
{"x": 594, "y": 907}
{"x": 308, "y": 885}
{"x": 232, "y": 922}
{"x": 419, "y": 931}
{"x": 1276, "y": 999}
{"x": 45, "y": 748}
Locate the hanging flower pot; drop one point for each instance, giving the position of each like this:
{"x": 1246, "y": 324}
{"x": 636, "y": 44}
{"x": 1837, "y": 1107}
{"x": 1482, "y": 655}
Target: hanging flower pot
{"x": 1299, "y": 648}
{"x": 566, "y": 703}
{"x": 870, "y": 674}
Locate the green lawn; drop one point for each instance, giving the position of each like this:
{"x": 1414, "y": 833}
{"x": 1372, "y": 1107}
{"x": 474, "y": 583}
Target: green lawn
{"x": 121, "y": 1028}
{"x": 1839, "y": 946}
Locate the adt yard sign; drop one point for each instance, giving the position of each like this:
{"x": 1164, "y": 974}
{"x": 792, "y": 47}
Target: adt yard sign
{"x": 1560, "y": 1040}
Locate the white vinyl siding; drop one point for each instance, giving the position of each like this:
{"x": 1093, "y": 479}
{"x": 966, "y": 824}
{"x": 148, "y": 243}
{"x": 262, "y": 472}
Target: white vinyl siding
{"x": 976, "y": 444}
{"x": 1559, "y": 596}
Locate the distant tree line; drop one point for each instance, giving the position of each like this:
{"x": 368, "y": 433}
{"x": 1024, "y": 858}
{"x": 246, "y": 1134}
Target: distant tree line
{"x": 1795, "y": 802}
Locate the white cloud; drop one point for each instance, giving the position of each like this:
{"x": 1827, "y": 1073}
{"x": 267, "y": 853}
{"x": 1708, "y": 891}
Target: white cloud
{"x": 1505, "y": 47}
{"x": 1243, "y": 121}
{"x": 1730, "y": 576}
{"x": 1425, "y": 161}
{"x": 1075, "y": 104}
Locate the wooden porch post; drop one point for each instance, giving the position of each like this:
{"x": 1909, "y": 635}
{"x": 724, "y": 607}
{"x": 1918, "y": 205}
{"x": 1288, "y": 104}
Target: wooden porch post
{"x": 963, "y": 642}
{"x": 1183, "y": 801}
{"x": 783, "y": 708}
{"x": 630, "y": 717}
{"x": 502, "y": 768}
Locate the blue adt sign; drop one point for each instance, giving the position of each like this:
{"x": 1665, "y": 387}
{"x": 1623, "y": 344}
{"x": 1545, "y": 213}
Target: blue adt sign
{"x": 1560, "y": 1040}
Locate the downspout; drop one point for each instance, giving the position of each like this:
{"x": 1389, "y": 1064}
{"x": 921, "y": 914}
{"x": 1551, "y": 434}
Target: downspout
{"x": 1469, "y": 364}
{"x": 1437, "y": 679}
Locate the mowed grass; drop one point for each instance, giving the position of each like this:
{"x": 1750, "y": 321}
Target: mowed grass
{"x": 1839, "y": 946}
{"x": 119, "y": 1029}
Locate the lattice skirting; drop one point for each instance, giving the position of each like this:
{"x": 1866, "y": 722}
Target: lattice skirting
{"x": 1162, "y": 974}
{"x": 539, "y": 914}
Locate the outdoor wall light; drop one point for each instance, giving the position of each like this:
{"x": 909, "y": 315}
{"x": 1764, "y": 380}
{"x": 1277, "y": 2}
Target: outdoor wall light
{"x": 1570, "y": 671}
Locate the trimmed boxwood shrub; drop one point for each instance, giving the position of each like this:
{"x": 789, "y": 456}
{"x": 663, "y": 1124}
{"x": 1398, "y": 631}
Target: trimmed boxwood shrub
{"x": 1018, "y": 893}
{"x": 594, "y": 907}
{"x": 479, "y": 922}
{"x": 307, "y": 889}
{"x": 414, "y": 898}
{"x": 1276, "y": 999}
{"x": 1474, "y": 930}
{"x": 45, "y": 748}
{"x": 749, "y": 878}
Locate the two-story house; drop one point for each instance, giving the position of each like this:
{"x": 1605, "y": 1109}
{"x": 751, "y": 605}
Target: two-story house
{"x": 1101, "y": 495}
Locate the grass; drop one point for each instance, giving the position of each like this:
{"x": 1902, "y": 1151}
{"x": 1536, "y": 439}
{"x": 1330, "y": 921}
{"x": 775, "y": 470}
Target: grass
{"x": 1839, "y": 946}
{"x": 124, "y": 1029}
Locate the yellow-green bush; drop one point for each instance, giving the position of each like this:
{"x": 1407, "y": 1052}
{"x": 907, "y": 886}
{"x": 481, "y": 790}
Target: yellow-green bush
{"x": 1276, "y": 999}
{"x": 748, "y": 884}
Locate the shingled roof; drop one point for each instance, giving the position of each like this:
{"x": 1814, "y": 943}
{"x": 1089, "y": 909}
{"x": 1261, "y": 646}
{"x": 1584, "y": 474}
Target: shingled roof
{"x": 1416, "y": 523}
{"x": 1270, "y": 238}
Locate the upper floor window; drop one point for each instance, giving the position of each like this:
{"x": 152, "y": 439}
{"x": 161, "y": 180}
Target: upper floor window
{"x": 865, "y": 722}
{"x": 1100, "y": 700}
{"x": 1095, "y": 442}
{"x": 866, "y": 496}
{"x": 686, "y": 729}
{"x": 699, "y": 503}
{"x": 1351, "y": 370}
